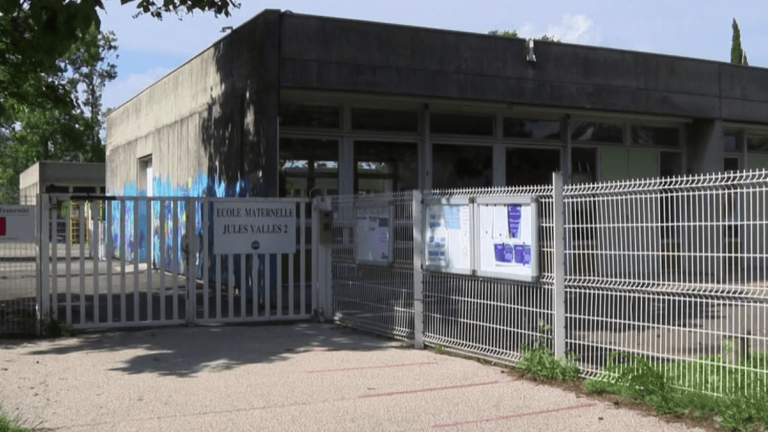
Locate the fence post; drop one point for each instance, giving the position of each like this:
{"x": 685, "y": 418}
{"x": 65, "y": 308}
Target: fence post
{"x": 322, "y": 249}
{"x": 44, "y": 251}
{"x": 558, "y": 299}
{"x": 190, "y": 207}
{"x": 418, "y": 272}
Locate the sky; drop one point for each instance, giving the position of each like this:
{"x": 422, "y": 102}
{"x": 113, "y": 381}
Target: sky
{"x": 149, "y": 49}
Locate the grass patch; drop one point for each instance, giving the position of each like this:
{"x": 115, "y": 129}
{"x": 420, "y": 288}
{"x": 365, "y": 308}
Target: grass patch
{"x": 9, "y": 425}
{"x": 539, "y": 361}
{"x": 687, "y": 387}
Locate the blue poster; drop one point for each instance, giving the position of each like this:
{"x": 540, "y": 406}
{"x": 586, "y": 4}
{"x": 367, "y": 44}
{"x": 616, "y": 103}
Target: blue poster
{"x": 504, "y": 252}
{"x": 451, "y": 217}
{"x": 513, "y": 217}
{"x": 522, "y": 254}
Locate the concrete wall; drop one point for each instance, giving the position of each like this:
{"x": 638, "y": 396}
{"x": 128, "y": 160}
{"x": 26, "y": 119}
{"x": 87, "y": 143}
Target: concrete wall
{"x": 41, "y": 175}
{"x": 343, "y": 55}
{"x": 29, "y": 183}
{"x": 211, "y": 125}
{"x": 206, "y": 125}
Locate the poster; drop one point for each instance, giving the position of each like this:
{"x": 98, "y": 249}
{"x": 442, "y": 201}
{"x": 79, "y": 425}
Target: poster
{"x": 448, "y": 235}
{"x": 507, "y": 238}
{"x": 373, "y": 243}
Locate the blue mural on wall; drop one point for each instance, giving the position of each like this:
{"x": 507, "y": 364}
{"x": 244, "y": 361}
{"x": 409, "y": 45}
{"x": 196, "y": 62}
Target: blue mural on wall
{"x": 197, "y": 186}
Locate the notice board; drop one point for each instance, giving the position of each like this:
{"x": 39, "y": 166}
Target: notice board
{"x": 507, "y": 238}
{"x": 448, "y": 235}
{"x": 374, "y": 231}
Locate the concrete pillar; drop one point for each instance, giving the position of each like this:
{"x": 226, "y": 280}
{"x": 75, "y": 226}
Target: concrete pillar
{"x": 705, "y": 150}
{"x": 705, "y": 216}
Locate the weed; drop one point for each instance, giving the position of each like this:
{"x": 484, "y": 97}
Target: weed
{"x": 53, "y": 329}
{"x": 540, "y": 361}
{"x": 689, "y": 387}
{"x": 439, "y": 349}
{"x": 9, "y": 425}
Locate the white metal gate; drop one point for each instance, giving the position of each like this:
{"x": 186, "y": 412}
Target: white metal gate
{"x": 138, "y": 261}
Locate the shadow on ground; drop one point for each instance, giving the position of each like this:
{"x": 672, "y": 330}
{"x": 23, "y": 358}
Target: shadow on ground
{"x": 187, "y": 351}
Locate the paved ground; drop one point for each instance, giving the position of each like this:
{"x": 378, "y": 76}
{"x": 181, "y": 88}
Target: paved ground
{"x": 302, "y": 377}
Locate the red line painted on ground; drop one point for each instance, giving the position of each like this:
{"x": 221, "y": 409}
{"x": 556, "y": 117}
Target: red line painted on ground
{"x": 429, "y": 389}
{"x": 372, "y": 367}
{"x": 515, "y": 416}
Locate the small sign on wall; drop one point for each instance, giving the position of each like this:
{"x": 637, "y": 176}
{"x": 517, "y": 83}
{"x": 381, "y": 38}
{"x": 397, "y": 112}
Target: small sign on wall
{"x": 17, "y": 223}
{"x": 448, "y": 235}
{"x": 242, "y": 227}
{"x": 373, "y": 240}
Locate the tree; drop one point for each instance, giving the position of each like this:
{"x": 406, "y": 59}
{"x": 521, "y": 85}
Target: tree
{"x": 738, "y": 55}
{"x": 36, "y": 34}
{"x": 513, "y": 34}
{"x": 89, "y": 69}
{"x": 47, "y": 131}
{"x": 504, "y": 33}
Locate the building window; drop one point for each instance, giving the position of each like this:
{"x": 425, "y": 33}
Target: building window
{"x": 584, "y": 131}
{"x": 757, "y": 144}
{"x": 327, "y": 117}
{"x": 308, "y": 167}
{"x": 654, "y": 136}
{"x": 583, "y": 165}
{"x": 670, "y": 164}
{"x": 532, "y": 129}
{"x": 385, "y": 120}
{"x": 457, "y": 166}
{"x": 757, "y": 152}
{"x": 386, "y": 167}
{"x": 528, "y": 167}
{"x": 731, "y": 163}
{"x": 461, "y": 124}
{"x": 731, "y": 141}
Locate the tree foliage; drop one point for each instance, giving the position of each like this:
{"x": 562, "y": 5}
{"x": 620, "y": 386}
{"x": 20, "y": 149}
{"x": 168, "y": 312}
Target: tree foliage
{"x": 738, "y": 55}
{"x": 54, "y": 63}
{"x": 36, "y": 34}
{"x": 513, "y": 34}
{"x": 62, "y": 132}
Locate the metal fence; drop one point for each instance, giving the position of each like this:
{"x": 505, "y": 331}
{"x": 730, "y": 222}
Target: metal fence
{"x": 135, "y": 261}
{"x": 18, "y": 282}
{"x": 670, "y": 270}
{"x": 493, "y": 318}
{"x": 375, "y": 298}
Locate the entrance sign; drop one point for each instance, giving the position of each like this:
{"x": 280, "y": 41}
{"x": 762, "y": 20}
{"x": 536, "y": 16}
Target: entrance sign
{"x": 507, "y": 238}
{"x": 254, "y": 227}
{"x": 17, "y": 223}
{"x": 448, "y": 235}
{"x": 373, "y": 239}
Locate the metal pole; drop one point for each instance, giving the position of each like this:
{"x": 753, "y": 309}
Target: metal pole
{"x": 44, "y": 254}
{"x": 558, "y": 299}
{"x": 418, "y": 276}
{"x": 190, "y": 207}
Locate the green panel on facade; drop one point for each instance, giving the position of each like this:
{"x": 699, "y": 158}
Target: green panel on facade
{"x": 757, "y": 161}
{"x": 643, "y": 163}
{"x": 613, "y": 163}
